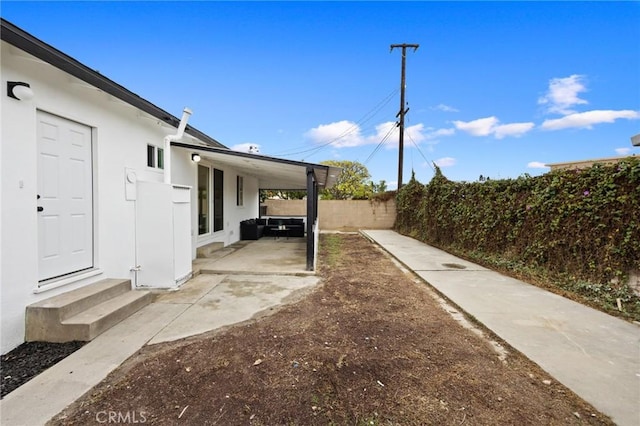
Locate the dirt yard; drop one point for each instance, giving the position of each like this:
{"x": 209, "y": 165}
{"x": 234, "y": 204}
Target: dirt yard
{"x": 370, "y": 346}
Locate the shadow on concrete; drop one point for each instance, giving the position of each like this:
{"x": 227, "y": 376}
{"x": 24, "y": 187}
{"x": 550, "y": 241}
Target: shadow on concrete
{"x": 268, "y": 255}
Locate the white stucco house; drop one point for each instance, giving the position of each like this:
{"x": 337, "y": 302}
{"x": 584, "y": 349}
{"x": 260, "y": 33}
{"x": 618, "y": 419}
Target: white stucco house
{"x": 98, "y": 182}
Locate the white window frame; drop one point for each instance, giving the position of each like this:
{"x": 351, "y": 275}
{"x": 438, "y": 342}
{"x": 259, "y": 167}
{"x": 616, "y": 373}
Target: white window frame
{"x": 209, "y": 200}
{"x": 240, "y": 191}
{"x": 155, "y": 157}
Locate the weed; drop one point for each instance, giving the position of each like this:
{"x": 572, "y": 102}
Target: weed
{"x": 333, "y": 249}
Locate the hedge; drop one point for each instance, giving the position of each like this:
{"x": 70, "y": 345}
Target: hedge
{"x": 577, "y": 229}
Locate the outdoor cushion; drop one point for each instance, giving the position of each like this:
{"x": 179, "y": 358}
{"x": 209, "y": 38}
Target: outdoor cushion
{"x": 250, "y": 230}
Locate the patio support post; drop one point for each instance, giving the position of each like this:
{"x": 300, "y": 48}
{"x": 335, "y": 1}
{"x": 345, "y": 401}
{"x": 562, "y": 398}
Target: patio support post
{"x": 312, "y": 208}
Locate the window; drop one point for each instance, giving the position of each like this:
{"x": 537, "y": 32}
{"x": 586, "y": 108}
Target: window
{"x": 240, "y": 191}
{"x": 210, "y": 200}
{"x": 151, "y": 156}
{"x": 155, "y": 157}
{"x": 204, "y": 216}
{"x": 218, "y": 200}
{"x": 160, "y": 157}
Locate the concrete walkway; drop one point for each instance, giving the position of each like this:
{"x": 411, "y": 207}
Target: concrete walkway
{"x": 205, "y": 303}
{"x": 594, "y": 354}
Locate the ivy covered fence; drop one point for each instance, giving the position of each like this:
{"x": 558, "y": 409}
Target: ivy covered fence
{"x": 573, "y": 231}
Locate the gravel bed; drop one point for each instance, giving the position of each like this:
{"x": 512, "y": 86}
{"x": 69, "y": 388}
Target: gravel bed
{"x": 30, "y": 359}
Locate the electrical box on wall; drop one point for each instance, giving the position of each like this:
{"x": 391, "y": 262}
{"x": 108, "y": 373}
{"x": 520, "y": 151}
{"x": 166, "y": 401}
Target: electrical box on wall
{"x": 130, "y": 180}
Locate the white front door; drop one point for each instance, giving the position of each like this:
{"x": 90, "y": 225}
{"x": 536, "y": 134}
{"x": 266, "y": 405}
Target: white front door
{"x": 65, "y": 197}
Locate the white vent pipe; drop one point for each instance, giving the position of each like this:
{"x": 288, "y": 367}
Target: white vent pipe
{"x": 174, "y": 138}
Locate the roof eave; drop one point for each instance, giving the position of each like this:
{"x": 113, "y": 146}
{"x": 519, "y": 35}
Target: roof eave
{"x": 325, "y": 175}
{"x": 49, "y": 54}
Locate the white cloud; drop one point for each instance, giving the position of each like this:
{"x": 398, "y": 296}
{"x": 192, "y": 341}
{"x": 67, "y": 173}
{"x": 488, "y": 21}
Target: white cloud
{"x": 563, "y": 94}
{"x": 513, "y": 129}
{"x": 414, "y": 133}
{"x": 445, "y": 162}
{"x": 623, "y": 151}
{"x": 433, "y": 134}
{"x": 342, "y": 134}
{"x": 382, "y": 130}
{"x": 588, "y": 119}
{"x": 479, "y": 127}
{"x": 536, "y": 165}
{"x": 490, "y": 126}
{"x": 445, "y": 108}
{"x": 392, "y": 185}
{"x": 245, "y": 147}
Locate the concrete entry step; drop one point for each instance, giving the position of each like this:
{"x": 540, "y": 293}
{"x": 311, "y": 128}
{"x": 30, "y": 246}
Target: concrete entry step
{"x": 209, "y": 249}
{"x": 84, "y": 313}
{"x": 99, "y": 318}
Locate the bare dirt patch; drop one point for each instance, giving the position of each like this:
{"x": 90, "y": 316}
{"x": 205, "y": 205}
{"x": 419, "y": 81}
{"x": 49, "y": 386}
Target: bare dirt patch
{"x": 369, "y": 346}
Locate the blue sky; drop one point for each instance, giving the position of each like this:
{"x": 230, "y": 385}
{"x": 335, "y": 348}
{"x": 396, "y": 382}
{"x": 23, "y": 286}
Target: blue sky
{"x": 496, "y": 88}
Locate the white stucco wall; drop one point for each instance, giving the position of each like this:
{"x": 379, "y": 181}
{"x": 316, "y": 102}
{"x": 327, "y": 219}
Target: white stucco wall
{"x": 120, "y": 136}
{"x": 185, "y": 173}
{"x": 249, "y": 210}
{"x": 18, "y": 193}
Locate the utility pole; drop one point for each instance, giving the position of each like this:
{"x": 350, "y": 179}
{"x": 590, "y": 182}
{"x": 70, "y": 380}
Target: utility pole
{"x": 403, "y": 111}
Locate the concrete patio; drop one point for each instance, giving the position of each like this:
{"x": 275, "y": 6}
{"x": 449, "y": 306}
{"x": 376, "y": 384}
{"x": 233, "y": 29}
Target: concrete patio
{"x": 268, "y": 255}
{"x": 235, "y": 284}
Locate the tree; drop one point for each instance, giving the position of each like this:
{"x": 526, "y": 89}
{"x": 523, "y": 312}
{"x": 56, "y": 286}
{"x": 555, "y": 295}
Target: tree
{"x": 353, "y": 183}
{"x": 380, "y": 187}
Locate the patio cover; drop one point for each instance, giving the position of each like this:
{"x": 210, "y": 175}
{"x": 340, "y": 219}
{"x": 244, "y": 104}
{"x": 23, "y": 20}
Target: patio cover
{"x": 271, "y": 172}
{"x": 277, "y": 174}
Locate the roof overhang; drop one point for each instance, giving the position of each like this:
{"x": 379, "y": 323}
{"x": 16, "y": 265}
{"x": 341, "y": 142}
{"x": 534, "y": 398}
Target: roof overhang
{"x": 49, "y": 54}
{"x": 272, "y": 173}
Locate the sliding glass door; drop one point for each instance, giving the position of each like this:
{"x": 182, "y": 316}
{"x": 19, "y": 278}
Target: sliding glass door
{"x": 210, "y": 199}
{"x": 204, "y": 199}
{"x": 218, "y": 200}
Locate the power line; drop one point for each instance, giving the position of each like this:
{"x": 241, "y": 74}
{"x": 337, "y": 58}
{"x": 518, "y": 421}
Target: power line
{"x": 420, "y": 151}
{"x": 350, "y": 130}
{"x": 368, "y": 116}
{"x": 384, "y": 139}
